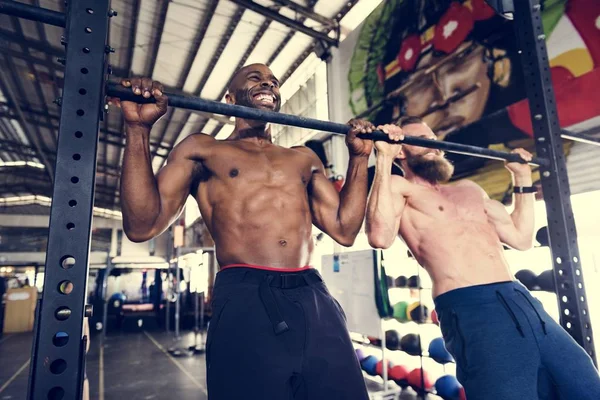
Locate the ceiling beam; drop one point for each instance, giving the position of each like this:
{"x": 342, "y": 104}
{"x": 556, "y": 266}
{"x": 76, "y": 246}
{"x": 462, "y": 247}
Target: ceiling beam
{"x": 132, "y": 37}
{"x": 235, "y": 20}
{"x": 307, "y": 12}
{"x": 288, "y": 37}
{"x": 130, "y": 54}
{"x": 197, "y": 41}
{"x": 189, "y": 61}
{"x": 33, "y": 70}
{"x": 309, "y": 49}
{"x": 233, "y": 23}
{"x": 10, "y": 94}
{"x": 158, "y": 29}
{"x": 291, "y": 23}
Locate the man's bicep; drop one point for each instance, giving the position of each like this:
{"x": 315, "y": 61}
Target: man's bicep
{"x": 400, "y": 188}
{"x": 174, "y": 181}
{"x": 500, "y": 219}
{"x": 323, "y": 197}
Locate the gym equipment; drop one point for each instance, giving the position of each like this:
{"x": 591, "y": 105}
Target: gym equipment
{"x": 117, "y": 300}
{"x": 389, "y": 281}
{"x": 419, "y": 380}
{"x": 382, "y": 299}
{"x": 437, "y": 350}
{"x": 528, "y": 278}
{"x": 414, "y": 282}
{"x": 360, "y": 354}
{"x": 411, "y": 344}
{"x": 374, "y": 341}
{"x": 417, "y": 312}
{"x": 434, "y": 317}
{"x": 197, "y": 347}
{"x": 176, "y": 350}
{"x": 400, "y": 311}
{"x": 400, "y": 281}
{"x": 379, "y": 368}
{"x": 369, "y": 365}
{"x": 448, "y": 388}
{"x": 232, "y": 110}
{"x": 545, "y": 281}
{"x": 392, "y": 339}
{"x": 399, "y": 374}
{"x": 543, "y": 237}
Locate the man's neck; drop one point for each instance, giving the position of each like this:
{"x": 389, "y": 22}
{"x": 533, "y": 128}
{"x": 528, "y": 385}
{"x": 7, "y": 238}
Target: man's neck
{"x": 417, "y": 180}
{"x": 252, "y": 130}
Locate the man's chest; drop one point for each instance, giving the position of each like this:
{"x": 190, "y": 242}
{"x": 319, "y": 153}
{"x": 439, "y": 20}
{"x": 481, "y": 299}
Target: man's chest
{"x": 448, "y": 202}
{"x": 278, "y": 166}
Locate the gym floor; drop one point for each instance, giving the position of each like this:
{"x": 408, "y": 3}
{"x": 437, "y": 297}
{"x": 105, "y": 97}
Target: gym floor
{"x": 132, "y": 366}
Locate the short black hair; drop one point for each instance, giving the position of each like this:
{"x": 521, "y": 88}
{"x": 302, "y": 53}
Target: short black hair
{"x": 409, "y": 120}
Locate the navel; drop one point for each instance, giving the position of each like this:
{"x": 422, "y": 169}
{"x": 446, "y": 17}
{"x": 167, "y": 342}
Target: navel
{"x": 283, "y": 243}
{"x": 441, "y": 208}
{"x": 234, "y": 172}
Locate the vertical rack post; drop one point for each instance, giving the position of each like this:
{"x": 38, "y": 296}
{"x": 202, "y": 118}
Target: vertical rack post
{"x": 58, "y": 350}
{"x": 568, "y": 276}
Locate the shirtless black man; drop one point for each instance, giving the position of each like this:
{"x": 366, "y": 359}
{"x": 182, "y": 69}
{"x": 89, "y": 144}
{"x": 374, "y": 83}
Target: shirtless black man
{"x": 276, "y": 332}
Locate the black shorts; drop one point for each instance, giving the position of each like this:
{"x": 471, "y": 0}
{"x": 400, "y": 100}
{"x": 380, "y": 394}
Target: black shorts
{"x": 279, "y": 336}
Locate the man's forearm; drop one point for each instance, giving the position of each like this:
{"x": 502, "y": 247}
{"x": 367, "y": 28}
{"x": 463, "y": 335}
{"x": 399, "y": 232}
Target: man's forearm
{"x": 353, "y": 196}
{"x": 381, "y": 214}
{"x": 140, "y": 200}
{"x": 523, "y": 213}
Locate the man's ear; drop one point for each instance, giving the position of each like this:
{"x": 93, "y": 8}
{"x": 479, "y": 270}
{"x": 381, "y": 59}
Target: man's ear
{"x": 401, "y": 154}
{"x": 229, "y": 98}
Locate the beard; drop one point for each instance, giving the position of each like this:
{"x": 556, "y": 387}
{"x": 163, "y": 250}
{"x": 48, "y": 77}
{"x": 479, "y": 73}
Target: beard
{"x": 243, "y": 97}
{"x": 434, "y": 170}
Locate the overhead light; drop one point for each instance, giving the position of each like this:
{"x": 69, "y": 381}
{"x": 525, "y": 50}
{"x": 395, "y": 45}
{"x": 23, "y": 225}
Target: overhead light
{"x": 47, "y": 201}
{"x": 21, "y": 164}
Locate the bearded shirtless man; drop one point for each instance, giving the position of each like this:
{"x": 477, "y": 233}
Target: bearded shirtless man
{"x": 505, "y": 345}
{"x": 276, "y": 332}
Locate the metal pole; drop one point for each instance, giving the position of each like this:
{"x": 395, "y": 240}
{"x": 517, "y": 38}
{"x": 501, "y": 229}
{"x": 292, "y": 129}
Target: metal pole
{"x": 202, "y": 320}
{"x": 383, "y": 355}
{"x": 196, "y": 103}
{"x": 177, "y": 291}
{"x": 109, "y": 268}
{"x": 169, "y": 280}
{"x": 568, "y": 275}
{"x": 56, "y": 362}
{"x": 196, "y": 319}
{"x": 33, "y": 13}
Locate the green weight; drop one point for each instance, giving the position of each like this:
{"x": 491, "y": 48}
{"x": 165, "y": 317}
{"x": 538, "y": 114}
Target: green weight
{"x": 400, "y": 311}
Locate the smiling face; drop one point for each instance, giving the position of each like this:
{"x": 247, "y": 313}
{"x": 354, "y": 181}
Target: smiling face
{"x": 426, "y": 163}
{"x": 255, "y": 86}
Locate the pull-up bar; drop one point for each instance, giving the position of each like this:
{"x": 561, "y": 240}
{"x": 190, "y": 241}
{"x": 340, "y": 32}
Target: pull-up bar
{"x": 32, "y": 13}
{"x": 198, "y": 104}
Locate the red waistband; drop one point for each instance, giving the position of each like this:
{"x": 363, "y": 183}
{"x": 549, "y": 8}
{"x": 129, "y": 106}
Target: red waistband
{"x": 267, "y": 268}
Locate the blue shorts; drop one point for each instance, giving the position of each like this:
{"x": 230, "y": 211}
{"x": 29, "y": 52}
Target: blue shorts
{"x": 507, "y": 347}
{"x": 279, "y": 336}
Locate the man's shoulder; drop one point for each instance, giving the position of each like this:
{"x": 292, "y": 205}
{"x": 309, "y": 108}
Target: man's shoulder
{"x": 310, "y": 154}
{"x": 470, "y": 185}
{"x": 400, "y": 184}
{"x": 192, "y": 145}
{"x": 302, "y": 149}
